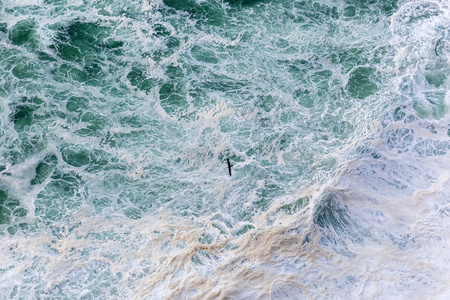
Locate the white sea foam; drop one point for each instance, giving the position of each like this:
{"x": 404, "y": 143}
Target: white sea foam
{"x": 334, "y": 193}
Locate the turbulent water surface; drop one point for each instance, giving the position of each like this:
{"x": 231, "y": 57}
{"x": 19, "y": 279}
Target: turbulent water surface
{"x": 117, "y": 119}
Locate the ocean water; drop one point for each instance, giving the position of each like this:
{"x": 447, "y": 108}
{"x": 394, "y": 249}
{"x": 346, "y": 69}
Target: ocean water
{"x": 117, "y": 118}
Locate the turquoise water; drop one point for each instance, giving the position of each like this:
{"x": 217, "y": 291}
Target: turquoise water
{"x": 117, "y": 119}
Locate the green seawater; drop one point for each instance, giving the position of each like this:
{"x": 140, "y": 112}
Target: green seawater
{"x": 128, "y": 108}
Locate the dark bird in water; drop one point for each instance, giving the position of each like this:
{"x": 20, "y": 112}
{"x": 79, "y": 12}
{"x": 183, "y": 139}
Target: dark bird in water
{"x": 229, "y": 166}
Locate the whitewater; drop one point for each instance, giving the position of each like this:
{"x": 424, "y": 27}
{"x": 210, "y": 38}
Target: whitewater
{"x": 117, "y": 119}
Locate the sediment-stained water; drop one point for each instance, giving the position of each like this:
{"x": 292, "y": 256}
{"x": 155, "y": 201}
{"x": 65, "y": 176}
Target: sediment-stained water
{"x": 117, "y": 119}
